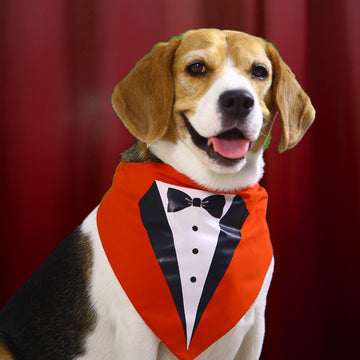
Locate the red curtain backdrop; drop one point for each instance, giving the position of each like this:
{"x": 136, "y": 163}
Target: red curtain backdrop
{"x": 60, "y": 143}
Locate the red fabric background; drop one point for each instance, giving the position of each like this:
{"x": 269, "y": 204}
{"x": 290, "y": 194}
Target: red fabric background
{"x": 60, "y": 143}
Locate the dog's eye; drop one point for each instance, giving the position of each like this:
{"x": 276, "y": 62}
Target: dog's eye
{"x": 197, "y": 68}
{"x": 259, "y": 71}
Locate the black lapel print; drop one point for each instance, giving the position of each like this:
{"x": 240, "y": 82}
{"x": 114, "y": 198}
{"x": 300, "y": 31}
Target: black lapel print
{"x": 229, "y": 238}
{"x": 160, "y": 235}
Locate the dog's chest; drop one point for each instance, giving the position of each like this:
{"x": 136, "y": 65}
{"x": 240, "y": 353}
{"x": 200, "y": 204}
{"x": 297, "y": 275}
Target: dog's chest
{"x": 192, "y": 262}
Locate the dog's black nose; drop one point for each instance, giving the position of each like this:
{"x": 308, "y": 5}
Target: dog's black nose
{"x": 236, "y": 104}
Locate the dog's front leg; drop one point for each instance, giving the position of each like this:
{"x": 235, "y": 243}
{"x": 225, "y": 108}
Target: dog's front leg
{"x": 120, "y": 332}
{"x": 251, "y": 345}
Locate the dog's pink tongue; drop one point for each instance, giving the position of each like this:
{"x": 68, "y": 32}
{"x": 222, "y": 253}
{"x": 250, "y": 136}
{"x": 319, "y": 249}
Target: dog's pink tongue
{"x": 230, "y": 148}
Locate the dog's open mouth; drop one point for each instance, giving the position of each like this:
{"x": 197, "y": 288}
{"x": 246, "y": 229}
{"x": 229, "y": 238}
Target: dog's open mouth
{"x": 228, "y": 147}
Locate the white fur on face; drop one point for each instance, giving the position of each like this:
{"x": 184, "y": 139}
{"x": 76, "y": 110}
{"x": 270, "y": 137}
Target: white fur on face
{"x": 190, "y": 160}
{"x": 207, "y": 120}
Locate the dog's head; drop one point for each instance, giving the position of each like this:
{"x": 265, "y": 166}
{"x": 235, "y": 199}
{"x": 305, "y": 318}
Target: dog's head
{"x": 204, "y": 103}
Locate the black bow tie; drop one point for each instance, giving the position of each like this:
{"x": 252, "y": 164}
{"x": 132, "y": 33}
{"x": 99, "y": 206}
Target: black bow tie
{"x": 178, "y": 200}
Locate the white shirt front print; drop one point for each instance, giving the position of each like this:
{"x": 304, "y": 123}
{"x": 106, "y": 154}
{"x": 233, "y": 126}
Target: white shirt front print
{"x": 195, "y": 233}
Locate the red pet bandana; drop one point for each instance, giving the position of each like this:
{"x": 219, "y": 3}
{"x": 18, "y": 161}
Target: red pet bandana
{"x": 191, "y": 261}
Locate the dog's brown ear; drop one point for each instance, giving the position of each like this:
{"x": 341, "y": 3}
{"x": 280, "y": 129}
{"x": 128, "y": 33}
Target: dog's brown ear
{"x": 144, "y": 99}
{"x": 292, "y": 103}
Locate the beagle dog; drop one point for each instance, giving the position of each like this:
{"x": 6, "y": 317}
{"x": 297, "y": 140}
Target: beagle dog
{"x": 176, "y": 261}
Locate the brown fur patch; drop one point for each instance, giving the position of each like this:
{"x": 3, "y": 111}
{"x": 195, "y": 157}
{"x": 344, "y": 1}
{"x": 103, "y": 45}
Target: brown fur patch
{"x": 144, "y": 99}
{"x": 4, "y": 351}
{"x": 292, "y": 103}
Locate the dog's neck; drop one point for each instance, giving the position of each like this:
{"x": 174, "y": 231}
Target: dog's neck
{"x": 194, "y": 168}
{"x": 139, "y": 152}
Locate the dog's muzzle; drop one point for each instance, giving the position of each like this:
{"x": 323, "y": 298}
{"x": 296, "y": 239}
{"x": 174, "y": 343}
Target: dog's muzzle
{"x": 235, "y": 105}
{"x": 226, "y": 148}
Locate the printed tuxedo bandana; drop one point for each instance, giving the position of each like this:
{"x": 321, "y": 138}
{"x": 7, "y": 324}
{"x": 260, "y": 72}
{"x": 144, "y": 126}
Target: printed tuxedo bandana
{"x": 191, "y": 261}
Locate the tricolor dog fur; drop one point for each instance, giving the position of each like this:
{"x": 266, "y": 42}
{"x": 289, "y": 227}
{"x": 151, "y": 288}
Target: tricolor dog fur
{"x": 194, "y": 285}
